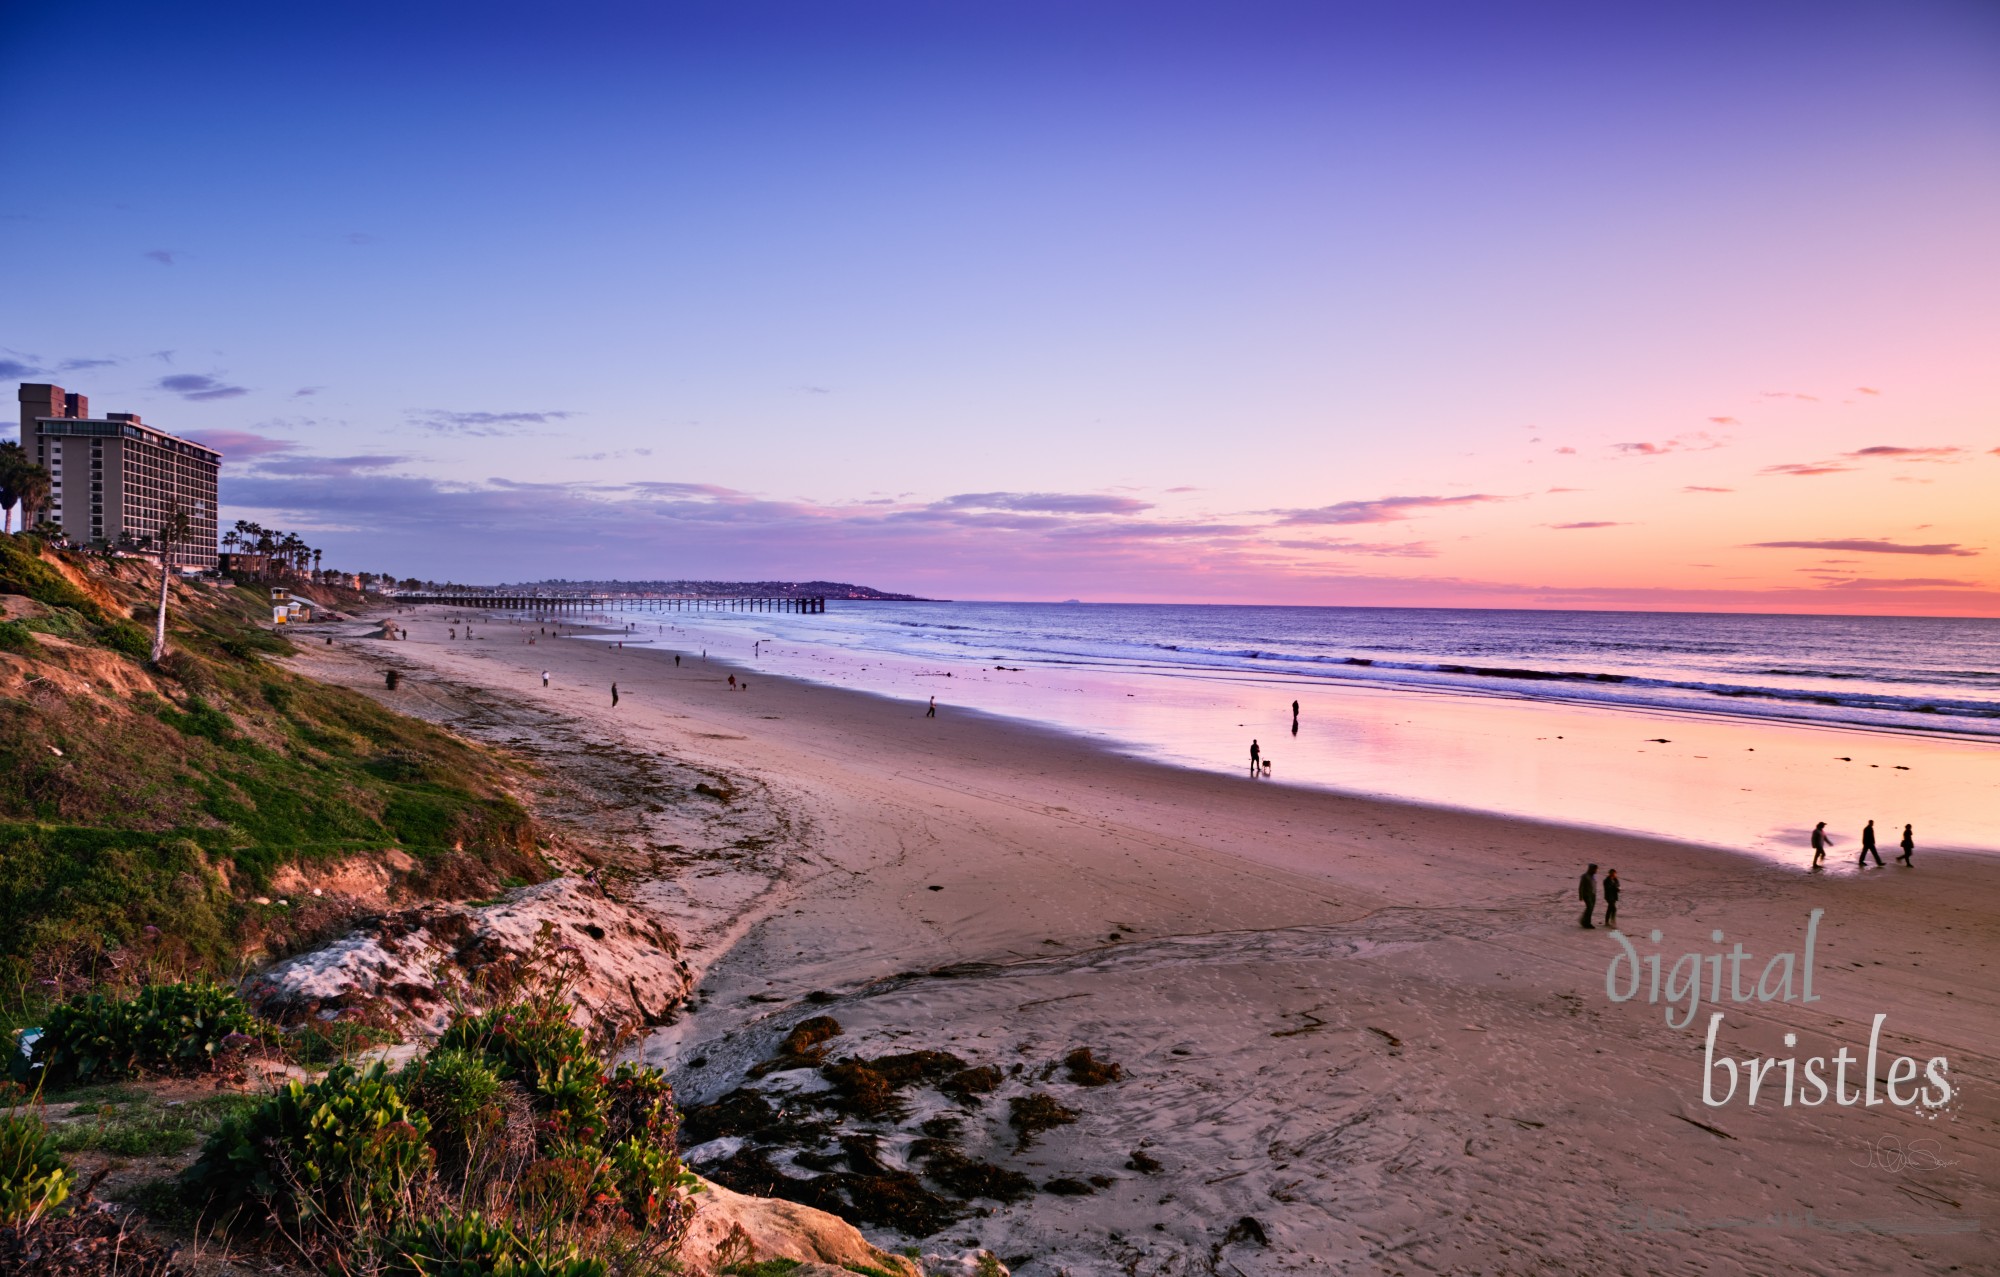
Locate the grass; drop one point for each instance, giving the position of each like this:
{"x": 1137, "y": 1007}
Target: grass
{"x": 165, "y": 811}
{"x": 141, "y": 1128}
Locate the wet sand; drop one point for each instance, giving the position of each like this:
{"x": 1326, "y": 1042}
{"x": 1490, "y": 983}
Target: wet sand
{"x": 1374, "y": 1028}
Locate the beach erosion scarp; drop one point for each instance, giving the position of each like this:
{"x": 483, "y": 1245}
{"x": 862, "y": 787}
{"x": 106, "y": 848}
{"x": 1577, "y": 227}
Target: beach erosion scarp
{"x": 1325, "y": 1032}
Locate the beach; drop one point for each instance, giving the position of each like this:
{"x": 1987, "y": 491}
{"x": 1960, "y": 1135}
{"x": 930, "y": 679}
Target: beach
{"x": 1354, "y": 1034}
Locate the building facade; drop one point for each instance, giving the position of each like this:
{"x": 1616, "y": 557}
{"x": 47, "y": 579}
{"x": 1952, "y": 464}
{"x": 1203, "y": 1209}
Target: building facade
{"x": 114, "y": 478}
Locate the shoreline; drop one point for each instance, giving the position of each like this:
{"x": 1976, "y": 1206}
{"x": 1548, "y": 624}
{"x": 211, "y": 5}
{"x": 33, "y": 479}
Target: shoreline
{"x": 1342, "y": 1006}
{"x": 1477, "y": 750}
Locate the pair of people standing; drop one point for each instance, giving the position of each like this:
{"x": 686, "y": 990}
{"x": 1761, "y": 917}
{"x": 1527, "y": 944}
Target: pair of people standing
{"x": 1586, "y": 891}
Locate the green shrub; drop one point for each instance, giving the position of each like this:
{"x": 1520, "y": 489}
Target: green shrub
{"x": 33, "y": 1179}
{"x": 164, "y": 1028}
{"x": 462, "y": 1096}
{"x": 15, "y": 637}
{"x": 22, "y": 571}
{"x": 470, "y": 1245}
{"x": 62, "y": 623}
{"x": 343, "y": 1151}
{"x": 128, "y": 639}
{"x": 527, "y": 1041}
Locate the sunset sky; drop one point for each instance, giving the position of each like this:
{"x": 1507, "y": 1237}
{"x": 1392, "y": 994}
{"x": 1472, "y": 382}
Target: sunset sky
{"x": 1690, "y": 306}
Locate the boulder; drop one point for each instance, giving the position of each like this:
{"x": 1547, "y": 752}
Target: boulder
{"x": 411, "y": 967}
{"x": 730, "y": 1228}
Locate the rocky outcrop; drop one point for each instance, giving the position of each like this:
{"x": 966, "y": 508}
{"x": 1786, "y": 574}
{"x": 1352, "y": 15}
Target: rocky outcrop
{"x": 730, "y": 1228}
{"x": 411, "y": 967}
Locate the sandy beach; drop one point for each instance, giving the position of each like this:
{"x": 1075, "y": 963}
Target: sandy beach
{"x": 1355, "y": 1035}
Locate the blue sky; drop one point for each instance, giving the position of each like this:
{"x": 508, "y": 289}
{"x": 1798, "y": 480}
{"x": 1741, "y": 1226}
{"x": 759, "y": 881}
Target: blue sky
{"x": 1043, "y": 300}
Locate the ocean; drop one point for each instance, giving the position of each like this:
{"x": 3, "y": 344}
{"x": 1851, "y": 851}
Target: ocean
{"x": 1909, "y": 673}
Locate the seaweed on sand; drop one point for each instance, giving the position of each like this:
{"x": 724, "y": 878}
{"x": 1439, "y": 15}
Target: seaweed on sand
{"x": 1030, "y": 1115}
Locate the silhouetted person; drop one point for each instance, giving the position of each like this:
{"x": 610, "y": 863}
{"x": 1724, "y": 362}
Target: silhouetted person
{"x": 1819, "y": 843}
{"x": 677, "y": 660}
{"x": 1256, "y": 755}
{"x": 1295, "y": 711}
{"x": 932, "y": 711}
{"x": 1611, "y": 898}
{"x": 1586, "y": 891}
{"x": 614, "y": 694}
{"x": 1909, "y": 849}
{"x": 545, "y": 678}
{"x": 1868, "y": 846}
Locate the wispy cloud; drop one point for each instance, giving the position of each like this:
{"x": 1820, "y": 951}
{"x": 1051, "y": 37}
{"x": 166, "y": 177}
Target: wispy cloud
{"x": 198, "y": 387}
{"x": 1858, "y": 546}
{"x": 1045, "y": 502}
{"x": 1698, "y": 487}
{"x": 304, "y": 467}
{"x": 1894, "y": 452}
{"x": 1388, "y": 549}
{"x": 1789, "y": 394}
{"x": 1901, "y": 583}
{"x": 1725, "y": 421}
{"x": 1697, "y": 441}
{"x": 240, "y": 445}
{"x": 1866, "y": 390}
{"x": 1379, "y": 510}
{"x": 1588, "y": 523}
{"x": 306, "y": 392}
{"x": 164, "y": 256}
{"x": 485, "y": 423}
{"x": 84, "y": 365}
{"x": 1806, "y": 468}
{"x": 16, "y": 367}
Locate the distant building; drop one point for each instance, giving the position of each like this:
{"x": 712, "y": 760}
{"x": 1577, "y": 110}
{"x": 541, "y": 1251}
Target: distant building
{"x": 113, "y": 478}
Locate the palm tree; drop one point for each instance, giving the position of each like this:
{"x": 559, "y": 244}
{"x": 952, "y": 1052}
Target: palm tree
{"x": 175, "y": 528}
{"x": 315, "y": 562}
{"x": 31, "y": 486}
{"x": 14, "y": 464}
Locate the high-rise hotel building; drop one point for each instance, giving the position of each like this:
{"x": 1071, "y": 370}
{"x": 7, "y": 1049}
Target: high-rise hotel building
{"x": 114, "y": 478}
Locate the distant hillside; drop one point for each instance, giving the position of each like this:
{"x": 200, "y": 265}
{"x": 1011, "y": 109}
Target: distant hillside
{"x": 726, "y": 589}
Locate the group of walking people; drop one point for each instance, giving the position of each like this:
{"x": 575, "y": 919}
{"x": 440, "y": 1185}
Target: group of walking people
{"x": 1909, "y": 845}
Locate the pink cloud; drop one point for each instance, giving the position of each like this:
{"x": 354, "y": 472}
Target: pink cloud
{"x": 1806, "y": 468}
{"x": 1698, "y": 441}
{"x": 1592, "y": 523}
{"x": 239, "y": 445}
{"x": 1380, "y": 510}
{"x": 1696, "y": 487}
{"x": 1863, "y": 546}
{"x": 1897, "y": 453}
{"x": 1725, "y": 421}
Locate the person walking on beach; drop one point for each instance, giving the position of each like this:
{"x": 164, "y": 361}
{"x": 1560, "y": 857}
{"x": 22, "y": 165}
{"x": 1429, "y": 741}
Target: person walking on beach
{"x": 1256, "y": 755}
{"x": 932, "y": 711}
{"x": 1611, "y": 898}
{"x": 1819, "y": 843}
{"x": 1868, "y": 846}
{"x": 1586, "y": 891}
{"x": 677, "y": 660}
{"x": 545, "y": 678}
{"x": 732, "y": 682}
{"x": 1909, "y": 849}
{"x": 614, "y": 695}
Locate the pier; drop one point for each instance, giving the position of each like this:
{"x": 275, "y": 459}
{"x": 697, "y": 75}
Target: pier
{"x": 596, "y": 604}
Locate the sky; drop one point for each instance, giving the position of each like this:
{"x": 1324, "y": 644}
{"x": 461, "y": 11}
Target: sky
{"x": 1685, "y": 306}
